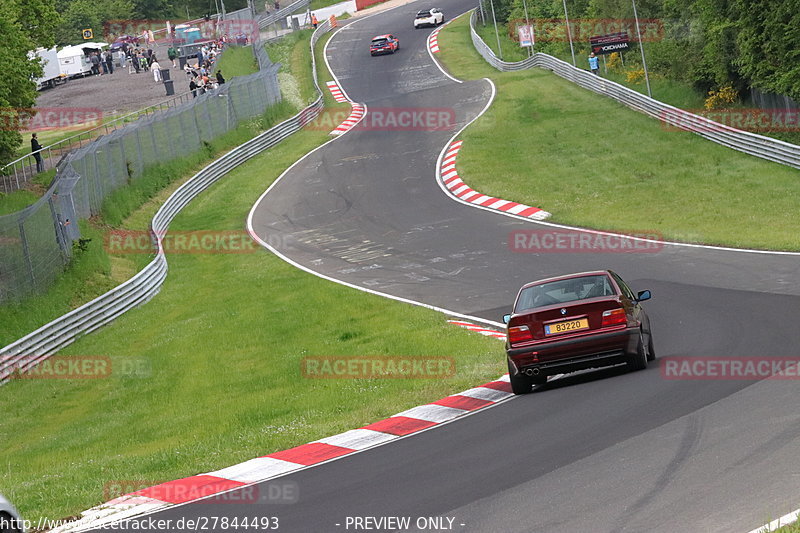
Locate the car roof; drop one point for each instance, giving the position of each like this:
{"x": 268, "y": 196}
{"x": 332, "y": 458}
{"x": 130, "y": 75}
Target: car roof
{"x": 382, "y": 36}
{"x": 568, "y": 276}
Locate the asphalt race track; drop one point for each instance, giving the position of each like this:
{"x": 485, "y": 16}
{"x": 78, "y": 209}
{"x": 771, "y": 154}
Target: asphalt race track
{"x": 598, "y": 451}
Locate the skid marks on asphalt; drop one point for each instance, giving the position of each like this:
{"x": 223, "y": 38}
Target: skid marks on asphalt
{"x": 344, "y": 245}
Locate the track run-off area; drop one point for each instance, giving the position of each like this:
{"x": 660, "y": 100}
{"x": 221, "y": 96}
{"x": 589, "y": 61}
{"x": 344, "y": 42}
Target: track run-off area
{"x": 604, "y": 450}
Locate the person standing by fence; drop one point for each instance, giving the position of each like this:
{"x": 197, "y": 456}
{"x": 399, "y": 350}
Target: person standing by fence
{"x": 36, "y": 149}
{"x": 593, "y": 65}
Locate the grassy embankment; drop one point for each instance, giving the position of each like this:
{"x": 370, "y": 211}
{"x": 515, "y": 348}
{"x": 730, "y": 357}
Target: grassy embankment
{"x": 592, "y": 162}
{"x": 221, "y": 346}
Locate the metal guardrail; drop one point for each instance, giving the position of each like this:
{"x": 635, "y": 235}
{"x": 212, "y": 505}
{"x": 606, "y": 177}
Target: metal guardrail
{"x": 268, "y": 19}
{"x": 37, "y": 346}
{"x": 743, "y": 141}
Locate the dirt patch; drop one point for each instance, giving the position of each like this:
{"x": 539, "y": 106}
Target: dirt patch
{"x": 116, "y": 93}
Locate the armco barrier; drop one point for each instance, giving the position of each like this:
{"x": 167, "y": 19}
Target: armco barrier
{"x": 45, "y": 341}
{"x": 271, "y": 18}
{"x": 743, "y": 141}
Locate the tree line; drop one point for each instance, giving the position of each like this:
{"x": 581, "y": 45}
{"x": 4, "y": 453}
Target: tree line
{"x": 708, "y": 44}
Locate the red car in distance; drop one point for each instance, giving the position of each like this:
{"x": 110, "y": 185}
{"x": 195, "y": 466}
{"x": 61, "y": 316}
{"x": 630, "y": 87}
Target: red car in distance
{"x": 384, "y": 44}
{"x": 575, "y": 322}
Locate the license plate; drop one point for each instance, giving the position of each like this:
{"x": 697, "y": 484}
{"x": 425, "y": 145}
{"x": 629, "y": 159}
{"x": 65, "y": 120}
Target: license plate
{"x": 566, "y": 327}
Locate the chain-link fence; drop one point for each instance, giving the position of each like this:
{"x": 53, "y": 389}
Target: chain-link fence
{"x": 36, "y": 243}
{"x": 773, "y": 102}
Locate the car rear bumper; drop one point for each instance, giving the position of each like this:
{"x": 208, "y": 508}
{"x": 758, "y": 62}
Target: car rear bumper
{"x": 579, "y": 353}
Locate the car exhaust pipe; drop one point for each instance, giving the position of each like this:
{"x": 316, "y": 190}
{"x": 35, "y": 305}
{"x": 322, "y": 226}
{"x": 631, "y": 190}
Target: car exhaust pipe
{"x": 532, "y": 371}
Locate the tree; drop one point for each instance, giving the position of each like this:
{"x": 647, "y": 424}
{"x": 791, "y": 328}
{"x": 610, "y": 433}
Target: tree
{"x": 768, "y": 36}
{"x": 24, "y": 25}
{"x": 82, "y": 14}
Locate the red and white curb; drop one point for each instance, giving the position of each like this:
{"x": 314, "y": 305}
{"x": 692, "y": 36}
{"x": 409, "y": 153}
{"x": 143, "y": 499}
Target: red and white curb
{"x": 279, "y": 463}
{"x": 336, "y": 91}
{"x": 433, "y": 41}
{"x": 479, "y": 329}
{"x": 355, "y": 116}
{"x": 461, "y": 190}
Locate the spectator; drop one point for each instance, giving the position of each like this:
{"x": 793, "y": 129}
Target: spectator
{"x": 95, "y": 61}
{"x": 122, "y": 58}
{"x": 220, "y": 79}
{"x": 193, "y": 87}
{"x": 36, "y": 149}
{"x": 110, "y": 61}
{"x": 172, "y": 54}
{"x": 593, "y": 64}
{"x": 155, "y": 68}
{"x": 103, "y": 62}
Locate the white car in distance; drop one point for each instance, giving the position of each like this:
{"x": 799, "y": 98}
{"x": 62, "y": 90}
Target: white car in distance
{"x": 428, "y": 17}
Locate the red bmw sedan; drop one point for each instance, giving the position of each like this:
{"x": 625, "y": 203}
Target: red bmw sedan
{"x": 575, "y": 322}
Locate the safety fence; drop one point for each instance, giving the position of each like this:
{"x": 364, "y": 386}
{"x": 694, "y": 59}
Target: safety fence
{"x": 673, "y": 117}
{"x": 36, "y": 242}
{"x": 272, "y": 17}
{"x": 17, "y": 173}
{"x": 45, "y": 341}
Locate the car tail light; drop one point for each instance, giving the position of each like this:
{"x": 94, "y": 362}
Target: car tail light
{"x": 614, "y": 317}
{"x": 519, "y": 334}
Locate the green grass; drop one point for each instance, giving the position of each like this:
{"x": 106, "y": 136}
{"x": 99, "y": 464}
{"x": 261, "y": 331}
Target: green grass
{"x": 92, "y": 272}
{"x": 237, "y": 61}
{"x": 22, "y": 198}
{"x": 670, "y": 91}
{"x": 222, "y": 344}
{"x": 592, "y": 162}
{"x": 791, "y": 528}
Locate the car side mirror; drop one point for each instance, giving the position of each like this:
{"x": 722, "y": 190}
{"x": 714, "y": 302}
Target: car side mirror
{"x": 643, "y": 295}
{"x": 506, "y": 319}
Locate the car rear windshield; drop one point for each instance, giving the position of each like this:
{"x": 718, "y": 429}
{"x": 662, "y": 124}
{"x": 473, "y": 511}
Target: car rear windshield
{"x": 379, "y": 41}
{"x": 564, "y": 291}
{"x": 423, "y": 14}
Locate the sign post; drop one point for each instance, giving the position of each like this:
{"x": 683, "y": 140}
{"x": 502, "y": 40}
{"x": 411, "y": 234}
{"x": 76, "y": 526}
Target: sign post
{"x": 610, "y": 43}
{"x": 525, "y": 36}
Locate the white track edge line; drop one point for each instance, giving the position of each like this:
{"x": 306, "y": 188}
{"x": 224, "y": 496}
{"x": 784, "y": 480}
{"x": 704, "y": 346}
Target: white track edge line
{"x": 574, "y": 228}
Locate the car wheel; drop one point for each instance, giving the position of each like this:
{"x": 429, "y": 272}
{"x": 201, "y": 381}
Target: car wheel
{"x": 520, "y": 384}
{"x": 638, "y": 361}
{"x": 651, "y": 351}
